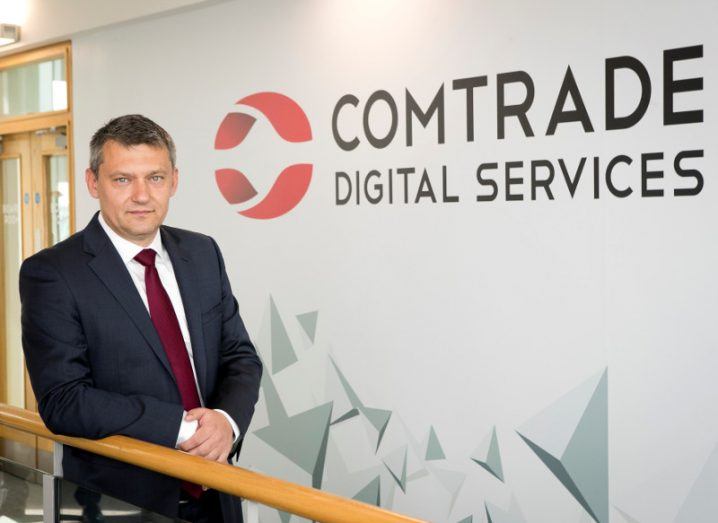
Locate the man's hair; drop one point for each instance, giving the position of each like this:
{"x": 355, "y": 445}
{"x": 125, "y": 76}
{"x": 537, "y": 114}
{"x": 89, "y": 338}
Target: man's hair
{"x": 128, "y": 130}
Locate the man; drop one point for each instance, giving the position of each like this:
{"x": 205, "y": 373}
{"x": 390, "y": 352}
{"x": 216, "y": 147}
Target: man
{"x": 130, "y": 327}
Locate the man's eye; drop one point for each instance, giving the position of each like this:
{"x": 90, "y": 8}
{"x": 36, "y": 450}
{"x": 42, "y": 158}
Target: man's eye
{"x": 156, "y": 178}
{"x": 121, "y": 179}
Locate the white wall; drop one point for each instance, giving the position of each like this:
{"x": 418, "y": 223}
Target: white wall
{"x": 46, "y": 21}
{"x": 458, "y": 316}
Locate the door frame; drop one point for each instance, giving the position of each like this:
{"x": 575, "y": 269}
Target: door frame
{"x": 30, "y": 123}
{"x": 34, "y": 122}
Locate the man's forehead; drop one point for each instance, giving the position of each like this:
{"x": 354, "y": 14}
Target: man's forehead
{"x": 139, "y": 148}
{"x": 134, "y": 159}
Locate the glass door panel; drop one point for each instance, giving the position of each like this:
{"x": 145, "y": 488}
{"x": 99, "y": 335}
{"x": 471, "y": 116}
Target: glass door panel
{"x": 10, "y": 195}
{"x": 15, "y": 187}
{"x": 33, "y": 88}
{"x": 58, "y": 198}
{"x": 51, "y": 187}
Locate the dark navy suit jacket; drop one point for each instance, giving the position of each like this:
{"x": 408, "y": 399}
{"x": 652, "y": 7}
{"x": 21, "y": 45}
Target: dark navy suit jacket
{"x": 97, "y": 365}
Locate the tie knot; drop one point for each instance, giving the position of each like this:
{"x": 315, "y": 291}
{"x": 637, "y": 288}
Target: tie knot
{"x": 146, "y": 257}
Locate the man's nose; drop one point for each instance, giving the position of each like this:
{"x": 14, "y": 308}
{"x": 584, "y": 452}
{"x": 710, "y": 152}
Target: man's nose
{"x": 139, "y": 191}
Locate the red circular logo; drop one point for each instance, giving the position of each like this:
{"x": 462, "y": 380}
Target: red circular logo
{"x": 290, "y": 186}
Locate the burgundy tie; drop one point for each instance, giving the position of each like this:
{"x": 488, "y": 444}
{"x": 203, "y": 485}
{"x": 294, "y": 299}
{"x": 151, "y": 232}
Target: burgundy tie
{"x": 165, "y": 321}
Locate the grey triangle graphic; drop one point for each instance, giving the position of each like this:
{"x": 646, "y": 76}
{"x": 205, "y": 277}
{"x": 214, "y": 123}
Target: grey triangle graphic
{"x": 467, "y": 519}
{"x": 701, "y": 504}
{"x": 493, "y": 459}
{"x": 302, "y": 439}
{"x": 371, "y": 493}
{"x": 452, "y": 481}
{"x": 397, "y": 466}
{"x": 308, "y": 321}
{"x": 554, "y": 426}
{"x": 379, "y": 418}
{"x": 433, "y": 447}
{"x": 497, "y": 515}
{"x": 401, "y": 481}
{"x": 558, "y": 470}
{"x": 283, "y": 354}
{"x": 421, "y": 473}
{"x": 486, "y": 466}
{"x": 492, "y": 462}
{"x": 582, "y": 465}
{"x": 275, "y": 408}
{"x": 348, "y": 389}
{"x": 348, "y": 415}
{"x": 586, "y": 457}
{"x": 284, "y": 517}
{"x": 626, "y": 518}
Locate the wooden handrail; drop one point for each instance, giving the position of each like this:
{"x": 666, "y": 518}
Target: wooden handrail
{"x": 296, "y": 499}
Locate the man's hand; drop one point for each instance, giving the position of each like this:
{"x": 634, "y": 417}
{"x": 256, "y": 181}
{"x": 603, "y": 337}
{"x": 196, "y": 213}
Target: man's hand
{"x": 214, "y": 437}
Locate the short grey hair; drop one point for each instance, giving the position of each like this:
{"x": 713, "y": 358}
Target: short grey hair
{"x": 128, "y": 130}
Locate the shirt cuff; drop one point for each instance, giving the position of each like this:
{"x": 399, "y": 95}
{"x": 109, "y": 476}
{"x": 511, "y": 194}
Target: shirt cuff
{"x": 186, "y": 430}
{"x": 235, "y": 429}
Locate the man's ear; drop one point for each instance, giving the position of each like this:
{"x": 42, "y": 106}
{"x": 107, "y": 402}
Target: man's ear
{"x": 175, "y": 181}
{"x": 91, "y": 181}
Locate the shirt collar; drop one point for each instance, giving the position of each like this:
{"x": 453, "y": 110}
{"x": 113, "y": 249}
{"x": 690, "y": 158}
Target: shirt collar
{"x": 128, "y": 250}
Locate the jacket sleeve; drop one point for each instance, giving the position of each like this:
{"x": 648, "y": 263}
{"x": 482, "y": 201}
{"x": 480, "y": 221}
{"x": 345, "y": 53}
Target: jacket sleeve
{"x": 56, "y": 353}
{"x": 240, "y": 369}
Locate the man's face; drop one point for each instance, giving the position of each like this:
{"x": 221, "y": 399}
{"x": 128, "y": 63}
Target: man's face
{"x": 134, "y": 185}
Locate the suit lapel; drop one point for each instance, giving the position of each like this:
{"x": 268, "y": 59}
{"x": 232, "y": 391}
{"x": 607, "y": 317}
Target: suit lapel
{"x": 110, "y": 269}
{"x": 185, "y": 273}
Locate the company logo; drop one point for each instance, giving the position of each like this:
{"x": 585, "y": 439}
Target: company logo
{"x": 290, "y": 186}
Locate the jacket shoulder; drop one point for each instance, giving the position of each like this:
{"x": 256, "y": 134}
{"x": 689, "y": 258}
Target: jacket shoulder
{"x": 188, "y": 239}
{"x": 66, "y": 251}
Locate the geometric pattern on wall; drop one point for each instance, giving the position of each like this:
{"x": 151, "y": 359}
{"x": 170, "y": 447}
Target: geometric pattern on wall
{"x": 571, "y": 439}
{"x": 452, "y": 481}
{"x": 701, "y": 504}
{"x": 433, "y": 447}
{"x": 308, "y": 321}
{"x": 370, "y": 494}
{"x": 379, "y": 418}
{"x": 570, "y": 436}
{"x": 488, "y": 456}
{"x": 352, "y": 413}
{"x": 301, "y": 438}
{"x": 395, "y": 463}
{"x": 496, "y": 514}
{"x": 283, "y": 354}
{"x": 358, "y": 483}
{"x": 625, "y": 517}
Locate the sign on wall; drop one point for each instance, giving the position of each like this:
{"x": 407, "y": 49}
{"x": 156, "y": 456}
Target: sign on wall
{"x": 472, "y": 242}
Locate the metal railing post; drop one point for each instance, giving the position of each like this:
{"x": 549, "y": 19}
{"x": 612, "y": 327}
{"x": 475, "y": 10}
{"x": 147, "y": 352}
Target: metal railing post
{"x": 252, "y": 511}
{"x": 50, "y": 499}
{"x": 57, "y": 459}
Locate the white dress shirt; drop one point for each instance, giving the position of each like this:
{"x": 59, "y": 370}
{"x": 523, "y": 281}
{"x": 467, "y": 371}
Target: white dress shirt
{"x": 128, "y": 251}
